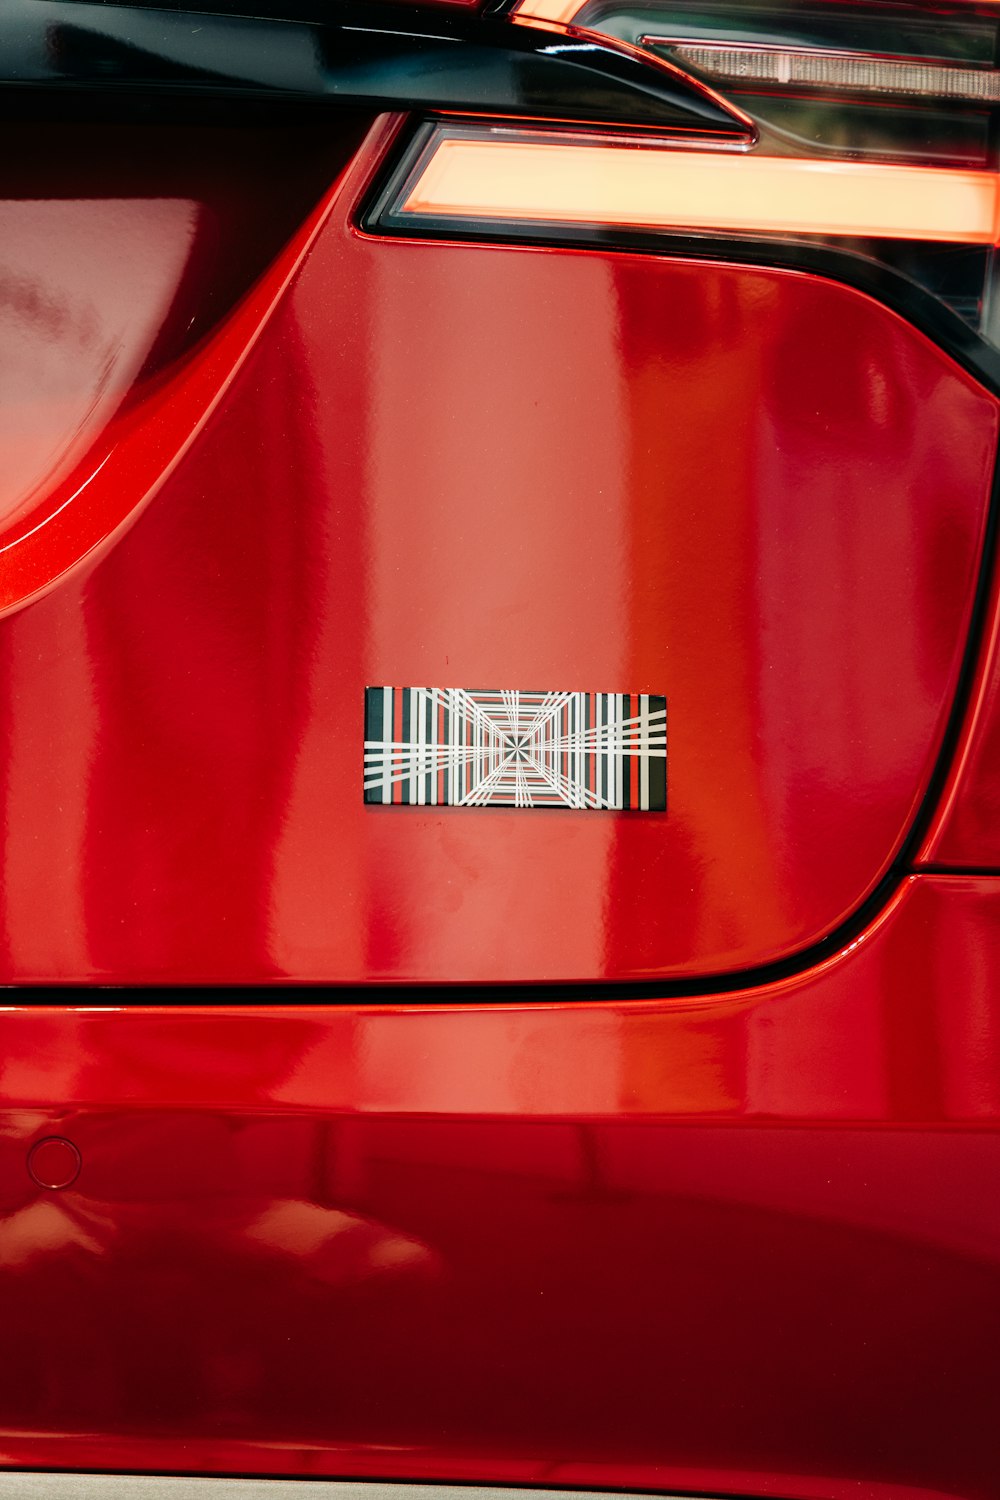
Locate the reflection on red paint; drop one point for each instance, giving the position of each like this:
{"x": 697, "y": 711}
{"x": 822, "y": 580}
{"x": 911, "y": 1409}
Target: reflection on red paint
{"x": 86, "y": 286}
{"x": 112, "y": 272}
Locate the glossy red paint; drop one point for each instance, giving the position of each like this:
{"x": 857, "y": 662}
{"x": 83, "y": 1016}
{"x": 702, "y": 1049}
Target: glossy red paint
{"x": 756, "y": 491}
{"x": 110, "y": 275}
{"x": 749, "y": 1244}
{"x": 965, "y": 831}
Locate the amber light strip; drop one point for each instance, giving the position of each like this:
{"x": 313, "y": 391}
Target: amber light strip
{"x": 562, "y": 11}
{"x": 493, "y": 177}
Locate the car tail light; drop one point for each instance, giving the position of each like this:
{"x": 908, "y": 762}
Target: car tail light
{"x": 521, "y": 175}
{"x": 874, "y": 131}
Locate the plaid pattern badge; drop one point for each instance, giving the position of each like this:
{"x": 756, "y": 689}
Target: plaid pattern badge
{"x": 459, "y": 747}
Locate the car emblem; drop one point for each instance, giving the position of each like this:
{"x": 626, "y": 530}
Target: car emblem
{"x": 458, "y": 747}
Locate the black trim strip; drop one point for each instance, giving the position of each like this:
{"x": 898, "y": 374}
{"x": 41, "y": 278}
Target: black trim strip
{"x": 75, "y": 1485}
{"x": 356, "y": 55}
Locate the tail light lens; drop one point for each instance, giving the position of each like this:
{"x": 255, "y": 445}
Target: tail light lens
{"x": 520, "y": 175}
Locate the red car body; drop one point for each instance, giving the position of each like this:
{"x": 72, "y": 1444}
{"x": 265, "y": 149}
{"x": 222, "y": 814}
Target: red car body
{"x": 555, "y": 1149}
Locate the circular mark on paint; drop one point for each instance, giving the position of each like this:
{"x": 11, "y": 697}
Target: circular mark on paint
{"x": 54, "y": 1162}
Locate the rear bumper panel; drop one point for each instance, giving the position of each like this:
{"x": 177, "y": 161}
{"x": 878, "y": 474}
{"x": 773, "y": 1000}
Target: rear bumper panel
{"x": 690, "y": 1244}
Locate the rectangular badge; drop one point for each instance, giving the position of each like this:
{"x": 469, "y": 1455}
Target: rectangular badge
{"x": 459, "y": 747}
